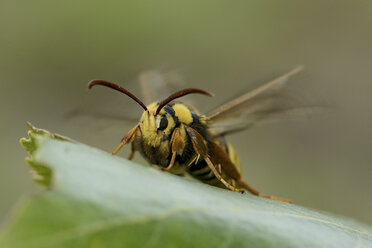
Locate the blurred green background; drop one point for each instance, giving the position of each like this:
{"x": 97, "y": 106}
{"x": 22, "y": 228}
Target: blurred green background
{"x": 49, "y": 51}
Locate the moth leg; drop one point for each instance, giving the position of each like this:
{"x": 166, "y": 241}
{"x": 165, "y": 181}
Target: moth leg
{"x": 201, "y": 149}
{"x": 228, "y": 168}
{"x": 125, "y": 139}
{"x": 233, "y": 183}
{"x": 219, "y": 156}
{"x": 192, "y": 160}
{"x": 178, "y": 145}
{"x": 255, "y": 192}
{"x": 132, "y": 152}
{"x": 171, "y": 163}
{"x": 219, "y": 177}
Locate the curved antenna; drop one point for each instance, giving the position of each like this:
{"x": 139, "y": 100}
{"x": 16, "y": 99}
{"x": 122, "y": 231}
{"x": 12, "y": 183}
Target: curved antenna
{"x": 118, "y": 88}
{"x": 179, "y": 94}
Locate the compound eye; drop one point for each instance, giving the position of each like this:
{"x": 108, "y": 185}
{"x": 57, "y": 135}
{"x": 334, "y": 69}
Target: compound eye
{"x": 163, "y": 123}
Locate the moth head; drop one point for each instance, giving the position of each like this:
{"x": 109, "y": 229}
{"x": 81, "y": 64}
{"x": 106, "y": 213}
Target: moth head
{"x": 156, "y": 124}
{"x": 155, "y": 128}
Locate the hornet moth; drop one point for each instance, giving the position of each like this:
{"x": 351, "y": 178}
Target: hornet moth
{"x": 180, "y": 140}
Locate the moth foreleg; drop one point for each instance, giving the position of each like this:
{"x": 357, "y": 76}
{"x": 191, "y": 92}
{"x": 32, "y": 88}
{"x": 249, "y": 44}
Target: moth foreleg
{"x": 177, "y": 147}
{"x": 126, "y": 139}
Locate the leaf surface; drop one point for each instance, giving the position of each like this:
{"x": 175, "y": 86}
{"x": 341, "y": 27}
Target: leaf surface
{"x": 99, "y": 200}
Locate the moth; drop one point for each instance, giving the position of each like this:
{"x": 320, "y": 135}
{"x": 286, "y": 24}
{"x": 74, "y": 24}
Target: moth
{"x": 180, "y": 140}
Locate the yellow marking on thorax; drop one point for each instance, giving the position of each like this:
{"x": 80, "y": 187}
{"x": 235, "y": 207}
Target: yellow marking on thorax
{"x": 183, "y": 113}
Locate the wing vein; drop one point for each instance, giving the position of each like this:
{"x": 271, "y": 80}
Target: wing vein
{"x": 249, "y": 95}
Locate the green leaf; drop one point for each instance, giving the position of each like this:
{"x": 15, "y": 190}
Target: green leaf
{"x": 100, "y": 200}
{"x": 41, "y": 173}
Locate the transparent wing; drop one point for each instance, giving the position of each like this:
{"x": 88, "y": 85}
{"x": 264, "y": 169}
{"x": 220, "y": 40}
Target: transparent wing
{"x": 266, "y": 103}
{"x": 157, "y": 85}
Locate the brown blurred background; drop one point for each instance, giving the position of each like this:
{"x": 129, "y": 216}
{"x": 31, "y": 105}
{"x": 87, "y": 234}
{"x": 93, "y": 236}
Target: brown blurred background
{"x": 50, "y": 50}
